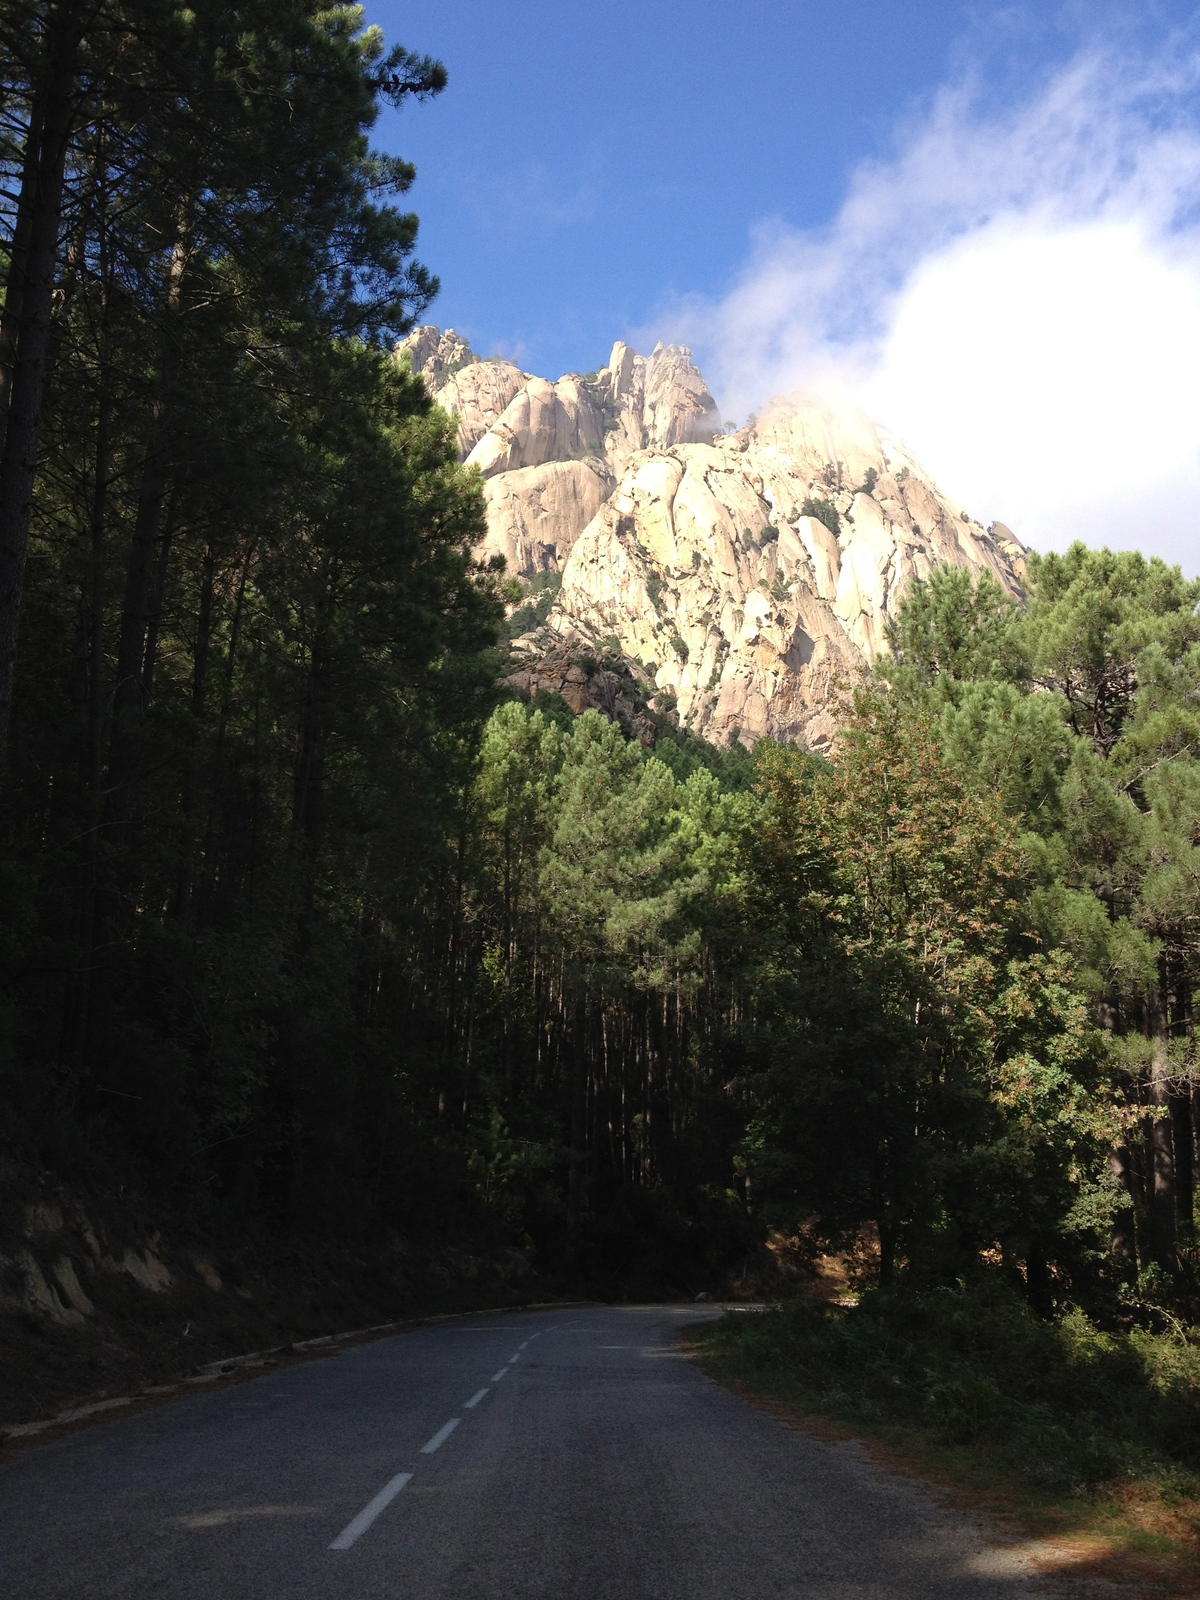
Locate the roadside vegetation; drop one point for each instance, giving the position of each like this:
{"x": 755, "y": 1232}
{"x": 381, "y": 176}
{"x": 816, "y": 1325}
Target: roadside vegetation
{"x": 1075, "y": 1428}
{"x": 1062, "y": 1404}
{"x": 1001, "y": 866}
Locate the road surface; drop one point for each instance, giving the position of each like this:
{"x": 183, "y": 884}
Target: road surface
{"x": 568, "y": 1455}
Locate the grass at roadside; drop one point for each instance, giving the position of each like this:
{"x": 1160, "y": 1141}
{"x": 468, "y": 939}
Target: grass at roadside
{"x": 1079, "y": 1432}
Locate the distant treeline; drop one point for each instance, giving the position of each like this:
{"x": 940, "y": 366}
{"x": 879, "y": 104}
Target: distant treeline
{"x": 303, "y": 927}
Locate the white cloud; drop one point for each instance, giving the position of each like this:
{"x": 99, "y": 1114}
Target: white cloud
{"x": 1017, "y": 296}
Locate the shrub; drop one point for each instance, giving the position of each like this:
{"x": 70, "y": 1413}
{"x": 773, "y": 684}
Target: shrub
{"x": 1063, "y": 1403}
{"x": 824, "y": 511}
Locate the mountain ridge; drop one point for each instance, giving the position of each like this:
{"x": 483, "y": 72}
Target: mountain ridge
{"x": 743, "y": 578}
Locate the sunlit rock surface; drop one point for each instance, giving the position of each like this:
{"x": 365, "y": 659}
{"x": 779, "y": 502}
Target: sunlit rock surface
{"x": 747, "y": 577}
{"x": 535, "y": 514}
{"x": 477, "y": 392}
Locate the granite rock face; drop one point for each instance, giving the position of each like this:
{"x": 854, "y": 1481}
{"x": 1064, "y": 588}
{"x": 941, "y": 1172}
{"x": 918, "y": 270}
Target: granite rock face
{"x": 746, "y": 578}
{"x": 614, "y": 688}
{"x": 563, "y": 421}
{"x": 535, "y": 514}
{"x": 476, "y": 392}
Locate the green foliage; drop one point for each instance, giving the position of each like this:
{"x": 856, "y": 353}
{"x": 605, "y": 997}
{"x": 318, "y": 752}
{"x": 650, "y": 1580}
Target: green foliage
{"x": 256, "y": 650}
{"x": 951, "y": 628}
{"x": 541, "y": 591}
{"x": 1064, "y": 1405}
{"x": 613, "y": 873}
{"x": 1091, "y": 616}
{"x": 824, "y": 511}
{"x": 910, "y": 1050}
{"x": 1080, "y": 717}
{"x": 734, "y": 767}
{"x": 591, "y": 872}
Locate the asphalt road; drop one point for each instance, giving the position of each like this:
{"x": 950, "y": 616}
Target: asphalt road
{"x": 573, "y": 1455}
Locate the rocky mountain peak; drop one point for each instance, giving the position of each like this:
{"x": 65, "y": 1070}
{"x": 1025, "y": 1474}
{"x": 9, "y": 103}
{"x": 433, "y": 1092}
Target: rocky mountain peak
{"x": 744, "y": 579}
{"x": 435, "y": 355}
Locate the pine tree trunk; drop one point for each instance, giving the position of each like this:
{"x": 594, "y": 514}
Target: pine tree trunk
{"x": 29, "y": 305}
{"x": 1138, "y": 1174}
{"x": 578, "y": 1077}
{"x": 156, "y": 602}
{"x": 129, "y": 692}
{"x": 191, "y": 781}
{"x": 1037, "y": 1282}
{"x": 77, "y": 1002}
{"x": 887, "y": 1253}
{"x": 1123, "y": 1238}
{"x": 12, "y": 316}
{"x": 216, "y": 766}
{"x": 309, "y": 795}
{"x": 1161, "y": 1144}
{"x": 1181, "y": 1143}
{"x": 1123, "y": 1243}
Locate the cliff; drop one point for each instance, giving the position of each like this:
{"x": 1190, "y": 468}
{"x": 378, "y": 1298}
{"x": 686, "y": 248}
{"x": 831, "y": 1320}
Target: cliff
{"x": 744, "y": 577}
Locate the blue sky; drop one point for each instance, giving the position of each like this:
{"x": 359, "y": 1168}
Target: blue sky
{"x": 818, "y": 192}
{"x": 589, "y": 163}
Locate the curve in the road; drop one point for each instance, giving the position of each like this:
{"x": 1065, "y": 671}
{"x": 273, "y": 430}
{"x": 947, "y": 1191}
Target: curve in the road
{"x": 594, "y": 1463}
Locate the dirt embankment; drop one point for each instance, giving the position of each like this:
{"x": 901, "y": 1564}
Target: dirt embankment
{"x": 97, "y": 1302}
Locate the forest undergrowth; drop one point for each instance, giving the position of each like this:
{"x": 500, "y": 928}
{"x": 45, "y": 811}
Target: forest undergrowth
{"x": 1074, "y": 1428}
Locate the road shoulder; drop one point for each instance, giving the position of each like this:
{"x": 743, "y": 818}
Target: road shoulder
{"x": 1075, "y": 1552}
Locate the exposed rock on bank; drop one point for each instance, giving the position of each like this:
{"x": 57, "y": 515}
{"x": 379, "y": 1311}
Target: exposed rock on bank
{"x": 96, "y": 1301}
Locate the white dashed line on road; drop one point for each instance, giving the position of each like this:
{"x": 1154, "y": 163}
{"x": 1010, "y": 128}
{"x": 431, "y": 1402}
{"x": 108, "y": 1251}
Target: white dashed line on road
{"x": 354, "y": 1530}
{"x": 440, "y": 1436}
{"x": 364, "y": 1519}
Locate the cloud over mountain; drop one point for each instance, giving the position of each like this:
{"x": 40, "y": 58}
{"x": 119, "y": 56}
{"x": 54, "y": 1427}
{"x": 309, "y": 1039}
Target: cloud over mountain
{"x": 1017, "y": 292}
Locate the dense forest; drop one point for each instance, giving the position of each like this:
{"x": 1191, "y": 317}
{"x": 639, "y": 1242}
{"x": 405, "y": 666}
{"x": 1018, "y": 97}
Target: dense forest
{"x": 307, "y": 926}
